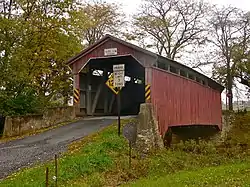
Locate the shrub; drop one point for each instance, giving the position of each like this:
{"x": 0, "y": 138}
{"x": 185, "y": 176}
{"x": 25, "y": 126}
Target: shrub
{"x": 197, "y": 147}
{"x": 25, "y": 102}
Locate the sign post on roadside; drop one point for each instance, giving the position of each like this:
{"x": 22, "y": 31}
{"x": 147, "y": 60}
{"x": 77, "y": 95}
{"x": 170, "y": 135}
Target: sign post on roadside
{"x": 119, "y": 82}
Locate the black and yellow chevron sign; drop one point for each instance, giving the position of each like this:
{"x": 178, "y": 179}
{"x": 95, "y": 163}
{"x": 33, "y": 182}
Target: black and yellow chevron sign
{"x": 147, "y": 92}
{"x": 110, "y": 84}
{"x": 76, "y": 95}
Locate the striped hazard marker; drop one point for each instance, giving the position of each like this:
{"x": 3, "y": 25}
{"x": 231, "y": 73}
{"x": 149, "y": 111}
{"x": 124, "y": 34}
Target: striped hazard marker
{"x": 147, "y": 92}
{"x": 76, "y": 95}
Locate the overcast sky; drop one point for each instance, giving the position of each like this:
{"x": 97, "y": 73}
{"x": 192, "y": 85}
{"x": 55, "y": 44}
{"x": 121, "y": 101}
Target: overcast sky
{"x": 130, "y": 6}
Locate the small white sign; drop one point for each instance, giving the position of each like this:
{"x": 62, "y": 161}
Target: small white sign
{"x": 119, "y": 75}
{"x": 110, "y": 51}
{"x": 119, "y": 80}
{"x": 119, "y": 67}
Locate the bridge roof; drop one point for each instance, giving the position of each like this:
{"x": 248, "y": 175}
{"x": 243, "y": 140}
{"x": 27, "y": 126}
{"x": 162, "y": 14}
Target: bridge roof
{"x": 157, "y": 58}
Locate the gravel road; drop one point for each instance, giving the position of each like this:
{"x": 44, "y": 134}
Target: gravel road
{"x": 17, "y": 154}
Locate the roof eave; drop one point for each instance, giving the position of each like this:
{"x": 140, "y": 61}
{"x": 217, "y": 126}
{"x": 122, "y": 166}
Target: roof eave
{"x": 79, "y": 55}
{"x": 220, "y": 87}
{"x": 104, "y": 39}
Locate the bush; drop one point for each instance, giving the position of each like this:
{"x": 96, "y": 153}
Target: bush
{"x": 197, "y": 147}
{"x": 25, "y": 102}
{"x": 225, "y": 150}
{"x": 239, "y": 134}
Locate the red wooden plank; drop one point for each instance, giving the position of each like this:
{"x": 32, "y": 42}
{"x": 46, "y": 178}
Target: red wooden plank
{"x": 179, "y": 101}
{"x": 121, "y": 50}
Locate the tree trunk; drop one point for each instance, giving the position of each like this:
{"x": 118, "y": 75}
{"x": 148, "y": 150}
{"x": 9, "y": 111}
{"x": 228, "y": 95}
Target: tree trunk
{"x": 230, "y": 99}
{"x": 229, "y": 87}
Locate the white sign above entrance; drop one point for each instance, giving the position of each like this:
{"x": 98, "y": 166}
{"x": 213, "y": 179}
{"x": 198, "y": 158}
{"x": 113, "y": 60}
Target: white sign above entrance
{"x": 110, "y": 51}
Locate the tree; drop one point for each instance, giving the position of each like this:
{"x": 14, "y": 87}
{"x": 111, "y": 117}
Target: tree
{"x": 241, "y": 52}
{"x": 91, "y": 21}
{"x": 37, "y": 38}
{"x": 35, "y": 45}
{"x": 47, "y": 43}
{"x": 172, "y": 25}
{"x": 228, "y": 35}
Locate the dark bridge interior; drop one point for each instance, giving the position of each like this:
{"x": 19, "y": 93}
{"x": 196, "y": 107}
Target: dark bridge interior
{"x": 194, "y": 132}
{"x": 96, "y": 98}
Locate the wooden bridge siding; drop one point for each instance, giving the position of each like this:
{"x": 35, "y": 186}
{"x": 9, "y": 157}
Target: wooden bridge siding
{"x": 179, "y": 101}
{"x": 145, "y": 60}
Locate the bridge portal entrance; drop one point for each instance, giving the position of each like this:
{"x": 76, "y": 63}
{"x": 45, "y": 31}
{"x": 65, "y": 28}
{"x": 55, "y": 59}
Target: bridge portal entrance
{"x": 97, "y": 98}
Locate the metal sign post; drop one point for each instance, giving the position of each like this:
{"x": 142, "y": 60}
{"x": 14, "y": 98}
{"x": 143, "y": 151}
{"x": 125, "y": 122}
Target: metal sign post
{"x": 119, "y": 82}
{"x": 119, "y": 112}
{"x": 130, "y": 133}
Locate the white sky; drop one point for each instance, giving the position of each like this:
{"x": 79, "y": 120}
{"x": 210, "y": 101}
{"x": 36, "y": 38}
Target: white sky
{"x": 131, "y": 6}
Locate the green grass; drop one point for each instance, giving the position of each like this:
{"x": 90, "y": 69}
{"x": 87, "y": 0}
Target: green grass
{"x": 224, "y": 176}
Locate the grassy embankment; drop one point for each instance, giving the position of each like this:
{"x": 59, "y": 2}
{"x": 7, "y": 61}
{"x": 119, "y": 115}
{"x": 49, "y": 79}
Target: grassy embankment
{"x": 102, "y": 160}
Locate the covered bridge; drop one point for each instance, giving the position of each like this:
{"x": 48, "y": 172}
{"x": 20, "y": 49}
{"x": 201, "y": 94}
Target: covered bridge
{"x": 180, "y": 95}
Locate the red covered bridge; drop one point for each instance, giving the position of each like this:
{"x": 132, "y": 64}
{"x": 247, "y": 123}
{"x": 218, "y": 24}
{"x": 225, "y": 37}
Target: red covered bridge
{"x": 180, "y": 95}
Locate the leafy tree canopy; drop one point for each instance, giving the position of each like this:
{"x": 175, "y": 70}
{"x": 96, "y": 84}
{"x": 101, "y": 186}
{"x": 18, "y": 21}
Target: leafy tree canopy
{"x": 36, "y": 39}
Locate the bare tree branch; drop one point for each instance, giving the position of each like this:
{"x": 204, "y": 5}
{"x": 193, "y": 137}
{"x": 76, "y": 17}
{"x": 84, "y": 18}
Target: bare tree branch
{"x": 228, "y": 33}
{"x": 172, "y": 24}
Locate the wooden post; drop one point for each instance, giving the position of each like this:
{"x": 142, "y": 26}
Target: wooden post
{"x": 168, "y": 67}
{"x": 89, "y": 103}
{"x": 47, "y": 177}
{"x": 111, "y": 103}
{"x": 56, "y": 172}
{"x": 97, "y": 95}
{"x": 77, "y": 86}
{"x": 105, "y": 74}
{"x": 178, "y": 71}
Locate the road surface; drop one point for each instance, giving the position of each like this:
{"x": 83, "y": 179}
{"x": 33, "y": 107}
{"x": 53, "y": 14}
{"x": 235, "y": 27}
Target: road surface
{"x": 17, "y": 154}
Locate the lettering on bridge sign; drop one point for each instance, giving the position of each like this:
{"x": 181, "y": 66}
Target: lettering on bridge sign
{"x": 110, "y": 51}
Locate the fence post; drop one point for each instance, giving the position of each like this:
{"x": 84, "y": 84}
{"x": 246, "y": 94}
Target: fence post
{"x": 56, "y": 170}
{"x": 47, "y": 177}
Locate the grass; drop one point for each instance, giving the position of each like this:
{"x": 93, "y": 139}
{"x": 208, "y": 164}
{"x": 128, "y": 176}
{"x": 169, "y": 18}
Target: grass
{"x": 204, "y": 164}
{"x": 224, "y": 176}
{"x": 101, "y": 159}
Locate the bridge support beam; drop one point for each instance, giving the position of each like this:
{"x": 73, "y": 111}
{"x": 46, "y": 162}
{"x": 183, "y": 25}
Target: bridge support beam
{"x": 111, "y": 103}
{"x": 89, "y": 103}
{"x": 97, "y": 95}
{"x": 77, "y": 86}
{"x": 105, "y": 74}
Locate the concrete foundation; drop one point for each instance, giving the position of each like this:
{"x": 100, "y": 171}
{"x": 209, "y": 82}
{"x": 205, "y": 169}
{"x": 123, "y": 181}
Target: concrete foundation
{"x": 148, "y": 136}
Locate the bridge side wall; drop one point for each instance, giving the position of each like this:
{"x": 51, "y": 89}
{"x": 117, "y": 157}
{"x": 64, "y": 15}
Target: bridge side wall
{"x": 179, "y": 101}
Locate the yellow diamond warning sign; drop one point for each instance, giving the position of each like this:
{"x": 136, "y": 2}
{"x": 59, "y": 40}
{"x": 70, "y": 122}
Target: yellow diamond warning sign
{"x": 110, "y": 84}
